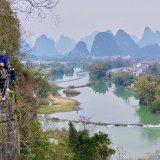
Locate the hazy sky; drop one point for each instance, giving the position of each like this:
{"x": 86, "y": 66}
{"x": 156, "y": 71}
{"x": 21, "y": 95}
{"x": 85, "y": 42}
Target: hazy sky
{"x": 82, "y": 17}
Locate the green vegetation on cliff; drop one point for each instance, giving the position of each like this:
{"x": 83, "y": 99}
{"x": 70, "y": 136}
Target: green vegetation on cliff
{"x": 33, "y": 143}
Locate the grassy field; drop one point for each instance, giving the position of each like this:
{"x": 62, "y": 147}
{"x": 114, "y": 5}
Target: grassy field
{"x": 58, "y": 108}
{"x": 61, "y": 104}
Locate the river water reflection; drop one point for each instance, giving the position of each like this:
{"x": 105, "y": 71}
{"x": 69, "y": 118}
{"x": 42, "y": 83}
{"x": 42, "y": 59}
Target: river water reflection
{"x": 105, "y": 102}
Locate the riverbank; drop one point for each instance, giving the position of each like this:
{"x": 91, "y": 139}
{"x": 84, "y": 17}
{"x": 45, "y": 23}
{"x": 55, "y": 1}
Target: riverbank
{"x": 113, "y": 110}
{"x": 59, "y": 104}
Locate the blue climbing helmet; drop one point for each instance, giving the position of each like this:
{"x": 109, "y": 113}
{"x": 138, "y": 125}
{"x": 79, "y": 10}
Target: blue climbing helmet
{"x": 3, "y": 51}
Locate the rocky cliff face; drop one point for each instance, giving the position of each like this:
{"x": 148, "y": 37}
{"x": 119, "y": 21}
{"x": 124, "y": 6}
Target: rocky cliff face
{"x": 9, "y": 134}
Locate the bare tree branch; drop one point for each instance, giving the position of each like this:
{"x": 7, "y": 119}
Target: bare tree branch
{"x": 48, "y": 4}
{"x": 34, "y": 6}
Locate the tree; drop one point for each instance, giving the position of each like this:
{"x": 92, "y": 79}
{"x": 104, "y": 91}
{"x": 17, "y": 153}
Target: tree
{"x": 123, "y": 78}
{"x": 102, "y": 144}
{"x": 86, "y": 147}
{"x": 121, "y": 154}
{"x": 148, "y": 88}
{"x": 154, "y": 69}
{"x": 73, "y": 135}
{"x": 98, "y": 69}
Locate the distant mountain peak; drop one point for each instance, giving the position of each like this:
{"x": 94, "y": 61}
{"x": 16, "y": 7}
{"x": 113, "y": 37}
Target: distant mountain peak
{"x": 100, "y": 34}
{"x": 149, "y": 37}
{"x": 125, "y": 43}
{"x": 81, "y": 44}
{"x": 89, "y": 39}
{"x": 104, "y": 45}
{"x": 80, "y": 49}
{"x": 109, "y": 31}
{"x": 147, "y": 30}
{"x": 64, "y": 44}
{"x": 122, "y": 33}
{"x": 43, "y": 36}
{"x": 62, "y": 36}
{"x": 44, "y": 46}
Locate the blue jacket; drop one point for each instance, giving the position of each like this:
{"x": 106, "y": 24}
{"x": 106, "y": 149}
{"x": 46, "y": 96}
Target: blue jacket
{"x": 4, "y": 59}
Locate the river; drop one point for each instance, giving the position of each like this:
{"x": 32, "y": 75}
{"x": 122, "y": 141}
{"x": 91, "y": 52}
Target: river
{"x": 105, "y": 102}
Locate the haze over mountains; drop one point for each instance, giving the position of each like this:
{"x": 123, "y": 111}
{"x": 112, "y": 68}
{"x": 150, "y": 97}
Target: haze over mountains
{"x": 150, "y": 37}
{"x": 79, "y": 50}
{"x": 100, "y": 44}
{"x": 89, "y": 40}
{"x": 104, "y": 44}
{"x": 125, "y": 43}
{"x": 65, "y": 44}
{"x": 44, "y": 48}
